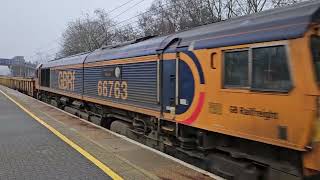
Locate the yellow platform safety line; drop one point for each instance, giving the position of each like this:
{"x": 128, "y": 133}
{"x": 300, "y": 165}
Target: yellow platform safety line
{"x": 87, "y": 155}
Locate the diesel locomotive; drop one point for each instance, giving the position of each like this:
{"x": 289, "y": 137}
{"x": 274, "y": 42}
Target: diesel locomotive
{"x": 239, "y": 98}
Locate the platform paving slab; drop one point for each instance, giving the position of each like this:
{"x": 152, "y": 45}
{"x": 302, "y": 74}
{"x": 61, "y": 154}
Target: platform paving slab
{"x": 30, "y": 151}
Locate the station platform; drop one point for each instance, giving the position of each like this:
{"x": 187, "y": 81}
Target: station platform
{"x": 39, "y": 141}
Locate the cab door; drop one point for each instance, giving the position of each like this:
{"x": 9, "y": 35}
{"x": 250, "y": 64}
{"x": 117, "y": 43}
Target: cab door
{"x": 169, "y": 78}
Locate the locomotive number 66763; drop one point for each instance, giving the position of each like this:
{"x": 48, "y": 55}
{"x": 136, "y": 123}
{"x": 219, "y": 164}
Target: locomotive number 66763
{"x": 115, "y": 89}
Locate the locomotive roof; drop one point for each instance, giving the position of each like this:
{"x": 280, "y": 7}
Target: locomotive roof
{"x": 70, "y": 60}
{"x": 277, "y": 24}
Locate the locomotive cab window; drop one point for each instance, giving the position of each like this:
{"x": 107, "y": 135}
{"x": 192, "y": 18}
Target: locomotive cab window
{"x": 270, "y": 69}
{"x": 260, "y": 69}
{"x": 315, "y": 48}
{"x": 236, "y": 68}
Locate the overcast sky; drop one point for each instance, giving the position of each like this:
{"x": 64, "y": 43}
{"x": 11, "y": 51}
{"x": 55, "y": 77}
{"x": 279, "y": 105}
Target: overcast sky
{"x": 30, "y": 26}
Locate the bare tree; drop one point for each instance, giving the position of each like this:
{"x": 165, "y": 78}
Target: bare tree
{"x": 42, "y": 57}
{"x": 169, "y": 16}
{"x": 125, "y": 33}
{"x": 88, "y": 33}
{"x": 280, "y": 3}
